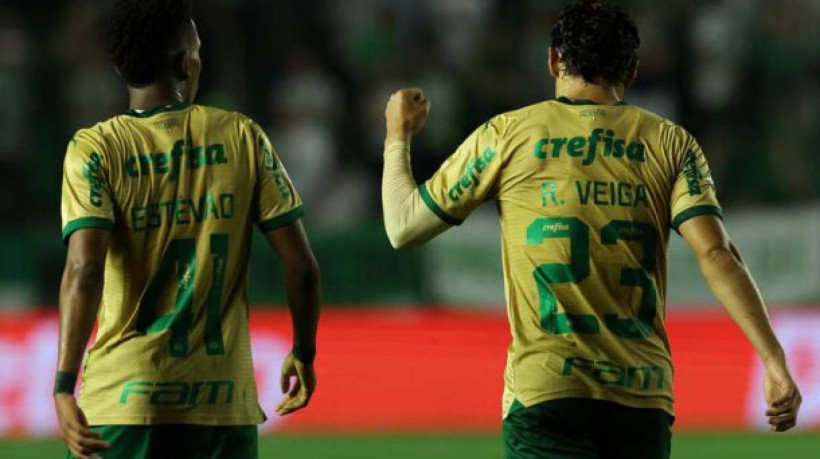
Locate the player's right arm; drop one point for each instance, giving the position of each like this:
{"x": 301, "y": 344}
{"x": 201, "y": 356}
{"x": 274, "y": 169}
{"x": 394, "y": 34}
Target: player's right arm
{"x": 278, "y": 213}
{"x": 415, "y": 214}
{"x": 80, "y": 293}
{"x": 87, "y": 215}
{"x": 733, "y": 285}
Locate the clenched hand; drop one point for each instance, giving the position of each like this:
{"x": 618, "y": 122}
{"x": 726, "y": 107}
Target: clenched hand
{"x": 782, "y": 397}
{"x": 406, "y": 112}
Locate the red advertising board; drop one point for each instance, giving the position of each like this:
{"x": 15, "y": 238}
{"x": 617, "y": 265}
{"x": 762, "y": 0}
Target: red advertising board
{"x": 430, "y": 370}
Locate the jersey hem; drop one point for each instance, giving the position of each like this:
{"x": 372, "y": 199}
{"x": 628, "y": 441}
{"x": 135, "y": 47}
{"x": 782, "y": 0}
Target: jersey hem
{"x": 86, "y": 222}
{"x": 187, "y": 419}
{"x": 694, "y": 212}
{"x": 666, "y": 406}
{"x": 434, "y": 207}
{"x": 281, "y": 220}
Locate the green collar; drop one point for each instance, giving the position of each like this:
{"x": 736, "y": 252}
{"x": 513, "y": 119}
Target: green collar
{"x": 568, "y": 101}
{"x": 161, "y": 109}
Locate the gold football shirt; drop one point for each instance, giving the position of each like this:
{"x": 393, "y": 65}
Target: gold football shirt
{"x": 180, "y": 188}
{"x": 586, "y": 196}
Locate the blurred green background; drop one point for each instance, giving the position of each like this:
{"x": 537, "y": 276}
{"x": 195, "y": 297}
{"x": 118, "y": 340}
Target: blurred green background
{"x": 740, "y": 74}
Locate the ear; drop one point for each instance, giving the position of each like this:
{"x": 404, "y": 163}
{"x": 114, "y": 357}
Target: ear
{"x": 553, "y": 61}
{"x": 182, "y": 65}
{"x": 632, "y": 74}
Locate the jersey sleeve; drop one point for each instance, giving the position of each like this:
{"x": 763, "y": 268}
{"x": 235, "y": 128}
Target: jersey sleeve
{"x": 86, "y": 194}
{"x": 468, "y": 177}
{"x": 693, "y": 193}
{"x": 277, "y": 201}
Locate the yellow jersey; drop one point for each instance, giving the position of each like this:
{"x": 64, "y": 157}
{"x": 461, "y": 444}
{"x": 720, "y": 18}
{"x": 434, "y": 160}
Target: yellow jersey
{"x": 180, "y": 188}
{"x": 586, "y": 196}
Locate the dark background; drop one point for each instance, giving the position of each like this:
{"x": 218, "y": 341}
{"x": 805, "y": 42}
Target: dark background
{"x": 740, "y": 74}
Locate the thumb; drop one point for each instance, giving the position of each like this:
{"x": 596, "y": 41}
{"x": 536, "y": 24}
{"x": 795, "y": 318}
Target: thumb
{"x": 284, "y": 380}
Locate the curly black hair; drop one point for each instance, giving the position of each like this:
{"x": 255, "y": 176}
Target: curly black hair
{"x": 597, "y": 41}
{"x": 140, "y": 34}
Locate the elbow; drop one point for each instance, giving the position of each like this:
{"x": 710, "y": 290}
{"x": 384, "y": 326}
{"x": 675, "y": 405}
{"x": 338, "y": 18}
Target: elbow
{"x": 722, "y": 259}
{"x": 399, "y": 239}
{"x": 306, "y": 272}
{"x": 720, "y": 255}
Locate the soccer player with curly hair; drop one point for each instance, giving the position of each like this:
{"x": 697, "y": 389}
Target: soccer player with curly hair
{"x": 587, "y": 188}
{"x": 158, "y": 208}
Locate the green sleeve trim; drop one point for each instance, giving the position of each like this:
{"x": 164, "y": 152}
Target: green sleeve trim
{"x": 86, "y": 222}
{"x": 282, "y": 220}
{"x": 431, "y": 204}
{"x": 694, "y": 212}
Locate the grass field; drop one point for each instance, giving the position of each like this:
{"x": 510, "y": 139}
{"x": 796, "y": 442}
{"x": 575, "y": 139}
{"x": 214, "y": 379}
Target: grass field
{"x": 686, "y": 446}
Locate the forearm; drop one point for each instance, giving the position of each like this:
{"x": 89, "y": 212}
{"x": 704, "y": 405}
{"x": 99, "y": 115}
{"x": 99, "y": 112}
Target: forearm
{"x": 733, "y": 285}
{"x": 303, "y": 286}
{"x": 80, "y": 294}
{"x": 407, "y": 220}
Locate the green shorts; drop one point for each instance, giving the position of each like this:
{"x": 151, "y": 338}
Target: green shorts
{"x": 586, "y": 429}
{"x": 178, "y": 441}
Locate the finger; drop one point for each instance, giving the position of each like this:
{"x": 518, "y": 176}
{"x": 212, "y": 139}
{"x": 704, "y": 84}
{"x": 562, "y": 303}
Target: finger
{"x": 81, "y": 453}
{"x": 280, "y": 405}
{"x": 783, "y": 427}
{"x": 90, "y": 444}
{"x": 777, "y": 411}
{"x": 284, "y": 382}
{"x": 291, "y": 405}
{"x": 284, "y": 406}
{"x": 782, "y": 420}
{"x": 86, "y": 432}
{"x": 85, "y": 437}
{"x": 299, "y": 403}
{"x": 781, "y": 424}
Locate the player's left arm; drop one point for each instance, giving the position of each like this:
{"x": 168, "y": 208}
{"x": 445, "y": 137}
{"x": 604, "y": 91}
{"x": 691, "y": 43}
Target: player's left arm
{"x": 412, "y": 214}
{"x": 696, "y": 214}
{"x": 733, "y": 285}
{"x": 304, "y": 292}
{"x": 278, "y": 213}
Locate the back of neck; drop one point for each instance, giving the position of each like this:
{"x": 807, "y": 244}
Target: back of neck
{"x": 576, "y": 88}
{"x": 152, "y": 96}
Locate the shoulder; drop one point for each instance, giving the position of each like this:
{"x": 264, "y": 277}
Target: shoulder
{"x": 226, "y": 117}
{"x": 515, "y": 118}
{"x": 668, "y": 131}
{"x": 93, "y": 139}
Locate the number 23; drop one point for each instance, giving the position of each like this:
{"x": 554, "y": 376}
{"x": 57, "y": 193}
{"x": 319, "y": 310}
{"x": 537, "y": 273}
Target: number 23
{"x": 578, "y": 269}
